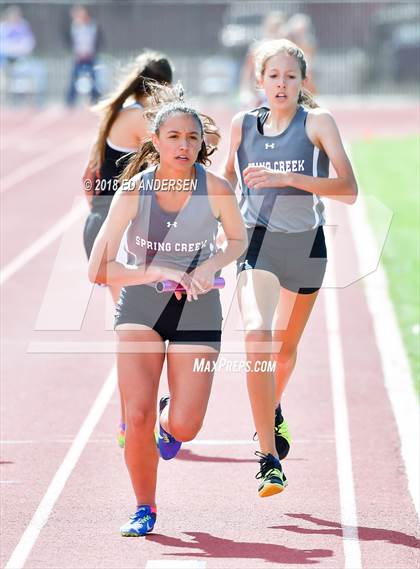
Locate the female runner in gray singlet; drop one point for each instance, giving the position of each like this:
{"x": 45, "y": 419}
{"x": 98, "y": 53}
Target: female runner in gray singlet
{"x": 282, "y": 154}
{"x": 178, "y": 243}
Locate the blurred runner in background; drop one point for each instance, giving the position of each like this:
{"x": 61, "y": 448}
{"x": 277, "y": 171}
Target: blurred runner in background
{"x": 272, "y": 27}
{"x": 84, "y": 38}
{"x": 121, "y": 131}
{"x": 298, "y": 29}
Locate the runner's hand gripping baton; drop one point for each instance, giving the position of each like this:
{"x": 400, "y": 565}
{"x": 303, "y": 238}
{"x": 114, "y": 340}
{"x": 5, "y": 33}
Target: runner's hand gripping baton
{"x": 172, "y": 286}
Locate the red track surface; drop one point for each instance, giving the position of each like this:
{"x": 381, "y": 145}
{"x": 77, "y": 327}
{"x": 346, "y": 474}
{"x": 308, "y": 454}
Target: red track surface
{"x": 208, "y": 506}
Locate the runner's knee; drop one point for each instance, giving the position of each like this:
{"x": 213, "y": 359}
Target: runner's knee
{"x": 258, "y": 341}
{"x": 140, "y": 418}
{"x": 287, "y": 353}
{"x": 185, "y": 429}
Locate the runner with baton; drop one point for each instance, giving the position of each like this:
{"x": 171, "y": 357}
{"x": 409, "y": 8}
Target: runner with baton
{"x": 171, "y": 236}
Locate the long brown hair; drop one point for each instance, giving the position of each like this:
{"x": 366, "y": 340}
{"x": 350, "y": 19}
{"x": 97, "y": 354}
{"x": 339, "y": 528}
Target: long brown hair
{"x": 268, "y": 49}
{"x": 148, "y": 67}
{"x": 169, "y": 101}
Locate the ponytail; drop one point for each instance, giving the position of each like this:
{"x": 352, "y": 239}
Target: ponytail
{"x": 145, "y": 157}
{"x": 149, "y": 68}
{"x": 306, "y": 99}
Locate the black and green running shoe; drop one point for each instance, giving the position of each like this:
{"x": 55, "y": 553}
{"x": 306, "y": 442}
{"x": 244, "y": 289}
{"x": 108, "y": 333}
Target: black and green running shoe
{"x": 281, "y": 434}
{"x": 273, "y": 479}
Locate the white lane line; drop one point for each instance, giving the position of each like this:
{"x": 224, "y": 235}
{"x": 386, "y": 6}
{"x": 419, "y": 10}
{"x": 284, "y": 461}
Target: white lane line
{"x": 39, "y": 519}
{"x": 349, "y": 523}
{"x": 48, "y": 159}
{"x": 168, "y": 564}
{"x": 79, "y": 209}
{"x": 395, "y": 364}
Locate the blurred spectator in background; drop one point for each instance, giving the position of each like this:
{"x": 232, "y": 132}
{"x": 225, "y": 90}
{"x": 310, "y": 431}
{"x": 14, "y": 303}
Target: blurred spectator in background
{"x": 300, "y": 30}
{"x": 25, "y": 78}
{"x": 272, "y": 27}
{"x": 84, "y": 40}
{"x": 16, "y": 37}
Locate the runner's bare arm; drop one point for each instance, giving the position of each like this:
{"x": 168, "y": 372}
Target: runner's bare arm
{"x": 138, "y": 125}
{"x": 235, "y": 140}
{"x": 323, "y": 133}
{"x": 129, "y": 129}
{"x": 103, "y": 267}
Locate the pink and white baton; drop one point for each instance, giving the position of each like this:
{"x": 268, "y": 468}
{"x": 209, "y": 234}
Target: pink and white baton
{"x": 172, "y": 286}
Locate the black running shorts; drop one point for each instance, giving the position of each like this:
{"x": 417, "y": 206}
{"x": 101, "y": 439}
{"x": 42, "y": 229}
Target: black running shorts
{"x": 178, "y": 321}
{"x": 297, "y": 259}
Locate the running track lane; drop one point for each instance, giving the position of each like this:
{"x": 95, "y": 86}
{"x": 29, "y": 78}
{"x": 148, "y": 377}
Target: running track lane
{"x": 302, "y": 526}
{"x": 32, "y": 204}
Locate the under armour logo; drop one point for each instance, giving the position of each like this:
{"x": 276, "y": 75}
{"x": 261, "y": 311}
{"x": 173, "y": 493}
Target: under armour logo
{"x": 169, "y": 224}
{"x": 267, "y": 145}
{"x": 245, "y": 265}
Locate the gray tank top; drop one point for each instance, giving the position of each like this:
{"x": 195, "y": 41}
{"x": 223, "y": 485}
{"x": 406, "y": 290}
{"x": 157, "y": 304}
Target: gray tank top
{"x": 180, "y": 240}
{"x": 288, "y": 210}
